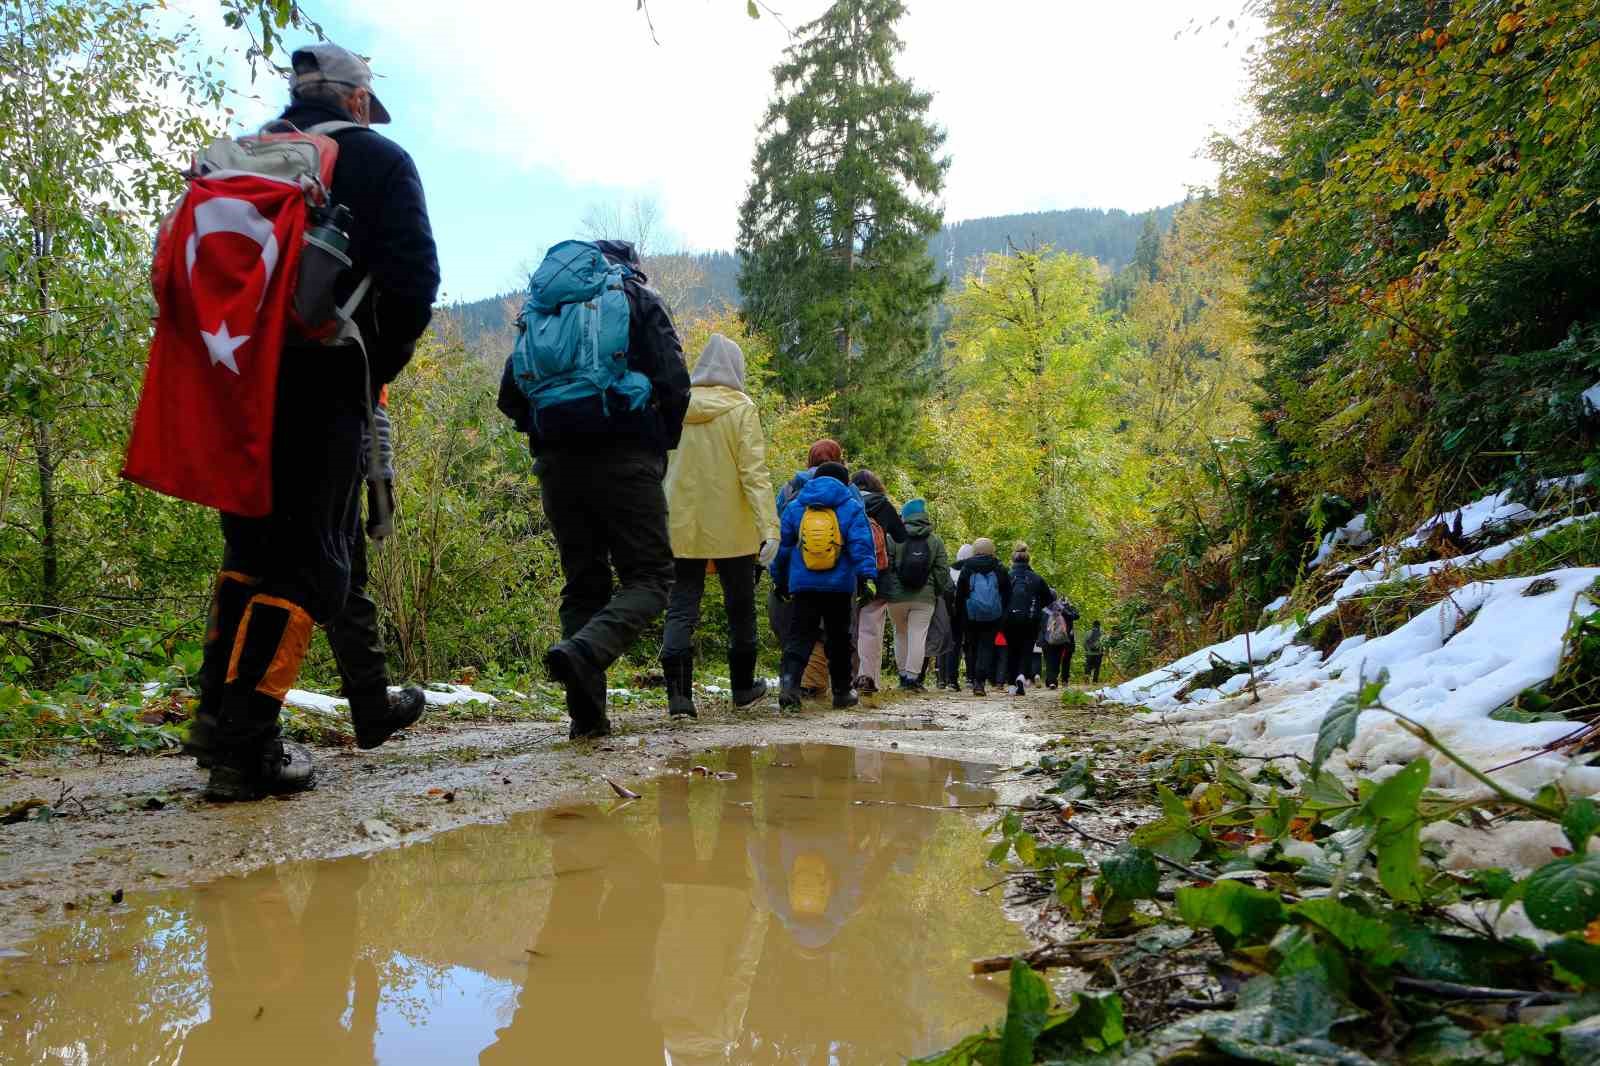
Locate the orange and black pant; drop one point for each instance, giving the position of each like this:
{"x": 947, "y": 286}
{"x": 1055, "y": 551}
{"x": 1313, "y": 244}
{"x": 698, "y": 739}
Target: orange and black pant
{"x": 289, "y": 570}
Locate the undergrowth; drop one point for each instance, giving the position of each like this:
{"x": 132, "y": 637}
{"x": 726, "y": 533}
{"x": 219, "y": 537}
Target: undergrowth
{"x": 1268, "y": 912}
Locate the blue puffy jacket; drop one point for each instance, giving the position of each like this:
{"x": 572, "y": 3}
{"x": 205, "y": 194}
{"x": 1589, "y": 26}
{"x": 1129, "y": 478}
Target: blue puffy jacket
{"x": 857, "y": 559}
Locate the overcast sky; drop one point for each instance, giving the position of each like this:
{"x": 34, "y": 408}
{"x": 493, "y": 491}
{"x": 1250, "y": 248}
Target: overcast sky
{"x": 520, "y": 114}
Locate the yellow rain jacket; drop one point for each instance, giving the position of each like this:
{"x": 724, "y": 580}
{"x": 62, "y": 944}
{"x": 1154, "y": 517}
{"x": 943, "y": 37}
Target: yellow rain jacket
{"x": 719, "y": 497}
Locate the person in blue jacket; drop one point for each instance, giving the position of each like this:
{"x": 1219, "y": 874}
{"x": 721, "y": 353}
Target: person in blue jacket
{"x": 822, "y": 597}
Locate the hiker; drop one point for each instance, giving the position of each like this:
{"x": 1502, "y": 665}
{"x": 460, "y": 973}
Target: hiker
{"x": 599, "y": 428}
{"x": 982, "y": 593}
{"x": 296, "y": 565}
{"x": 780, "y": 611}
{"x": 1094, "y": 650}
{"x": 1058, "y": 640}
{"x": 949, "y": 674}
{"x": 1024, "y": 605}
{"x": 888, "y": 529}
{"x": 825, "y": 556}
{"x": 717, "y": 491}
{"x": 917, "y": 579}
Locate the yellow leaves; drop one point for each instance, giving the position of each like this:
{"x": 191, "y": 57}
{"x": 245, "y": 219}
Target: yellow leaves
{"x": 1511, "y": 22}
{"x": 1426, "y": 35}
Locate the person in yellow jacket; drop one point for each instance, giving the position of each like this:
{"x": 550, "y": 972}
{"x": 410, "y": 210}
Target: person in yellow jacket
{"x": 719, "y": 511}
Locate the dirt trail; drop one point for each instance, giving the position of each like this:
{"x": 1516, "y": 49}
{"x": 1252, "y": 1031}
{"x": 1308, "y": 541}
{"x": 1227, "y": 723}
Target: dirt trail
{"x": 141, "y": 824}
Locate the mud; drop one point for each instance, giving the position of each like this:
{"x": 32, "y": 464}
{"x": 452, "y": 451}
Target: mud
{"x": 746, "y": 915}
{"x": 141, "y": 825}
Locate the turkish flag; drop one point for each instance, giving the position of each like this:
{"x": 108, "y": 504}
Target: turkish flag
{"x": 224, "y": 275}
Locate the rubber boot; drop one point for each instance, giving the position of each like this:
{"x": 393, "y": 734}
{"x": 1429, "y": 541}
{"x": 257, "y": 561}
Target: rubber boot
{"x": 748, "y": 689}
{"x": 250, "y": 762}
{"x": 679, "y": 671}
{"x": 228, "y": 598}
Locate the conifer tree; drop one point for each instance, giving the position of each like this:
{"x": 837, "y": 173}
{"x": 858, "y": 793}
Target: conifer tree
{"x": 833, "y": 235}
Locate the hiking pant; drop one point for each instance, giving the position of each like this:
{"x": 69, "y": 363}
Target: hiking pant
{"x": 869, "y": 639}
{"x": 356, "y": 641}
{"x": 981, "y": 652}
{"x": 608, "y": 511}
{"x": 1058, "y": 662}
{"x": 292, "y": 568}
{"x": 1091, "y": 665}
{"x": 911, "y": 621}
{"x": 738, "y": 578}
{"x": 824, "y": 614}
{"x": 950, "y": 661}
{"x": 1019, "y": 649}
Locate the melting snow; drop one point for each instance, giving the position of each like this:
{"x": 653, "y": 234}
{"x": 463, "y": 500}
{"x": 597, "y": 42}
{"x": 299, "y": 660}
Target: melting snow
{"x": 1449, "y": 667}
{"x": 437, "y": 696}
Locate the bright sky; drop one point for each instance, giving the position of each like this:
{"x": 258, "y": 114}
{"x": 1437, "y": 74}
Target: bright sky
{"x": 522, "y": 113}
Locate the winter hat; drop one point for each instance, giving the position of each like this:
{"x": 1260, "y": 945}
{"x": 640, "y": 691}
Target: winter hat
{"x": 825, "y": 451}
{"x": 964, "y": 553}
{"x": 913, "y": 508}
{"x": 838, "y": 471}
{"x": 983, "y": 546}
{"x": 721, "y": 362}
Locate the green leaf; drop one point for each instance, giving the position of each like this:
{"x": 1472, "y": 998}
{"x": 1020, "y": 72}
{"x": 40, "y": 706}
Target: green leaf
{"x": 1131, "y": 872}
{"x": 1232, "y": 911}
{"x": 1369, "y": 938}
{"x": 1579, "y": 822}
{"x": 1095, "y": 1025}
{"x": 1027, "y": 1012}
{"x": 1578, "y": 957}
{"x": 751, "y": 9}
{"x": 1337, "y": 730}
{"x": 1396, "y": 799}
{"x": 1565, "y": 894}
{"x": 1393, "y": 806}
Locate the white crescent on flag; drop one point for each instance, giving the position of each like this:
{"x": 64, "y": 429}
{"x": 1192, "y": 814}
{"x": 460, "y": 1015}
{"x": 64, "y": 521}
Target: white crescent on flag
{"x": 224, "y": 214}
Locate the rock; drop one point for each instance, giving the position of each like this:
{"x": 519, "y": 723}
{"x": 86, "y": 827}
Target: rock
{"x": 380, "y": 831}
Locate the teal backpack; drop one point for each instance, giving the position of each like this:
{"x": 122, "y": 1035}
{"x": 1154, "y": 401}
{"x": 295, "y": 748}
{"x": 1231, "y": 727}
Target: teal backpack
{"x": 570, "y": 357}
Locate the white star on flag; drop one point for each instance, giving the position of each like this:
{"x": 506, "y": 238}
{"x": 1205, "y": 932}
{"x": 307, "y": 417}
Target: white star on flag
{"x": 222, "y": 346}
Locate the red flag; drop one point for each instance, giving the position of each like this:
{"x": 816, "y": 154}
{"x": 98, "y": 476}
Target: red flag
{"x": 224, "y": 271}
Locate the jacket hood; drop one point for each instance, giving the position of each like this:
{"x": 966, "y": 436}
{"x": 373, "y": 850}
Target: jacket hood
{"x": 623, "y": 253}
{"x": 872, "y": 500}
{"x": 982, "y": 564}
{"x": 919, "y": 525}
{"x": 710, "y": 402}
{"x": 721, "y": 362}
{"x": 825, "y": 492}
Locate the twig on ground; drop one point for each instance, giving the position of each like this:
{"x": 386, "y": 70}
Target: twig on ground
{"x": 1451, "y": 990}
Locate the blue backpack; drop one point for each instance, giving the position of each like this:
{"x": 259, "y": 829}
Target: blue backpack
{"x": 983, "y": 597}
{"x": 571, "y": 354}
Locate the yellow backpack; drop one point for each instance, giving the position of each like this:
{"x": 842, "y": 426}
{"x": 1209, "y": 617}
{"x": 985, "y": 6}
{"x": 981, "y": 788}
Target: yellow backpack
{"x": 820, "y": 539}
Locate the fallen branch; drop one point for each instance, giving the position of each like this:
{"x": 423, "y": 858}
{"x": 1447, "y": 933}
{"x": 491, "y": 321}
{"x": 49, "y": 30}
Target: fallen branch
{"x": 1451, "y": 990}
{"x": 1045, "y": 956}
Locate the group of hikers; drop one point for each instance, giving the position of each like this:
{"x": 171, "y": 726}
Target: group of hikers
{"x": 651, "y": 478}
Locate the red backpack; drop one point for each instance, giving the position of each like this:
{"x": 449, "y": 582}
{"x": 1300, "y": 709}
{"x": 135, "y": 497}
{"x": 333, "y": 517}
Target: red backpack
{"x": 880, "y": 545}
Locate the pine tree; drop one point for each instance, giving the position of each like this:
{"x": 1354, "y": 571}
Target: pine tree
{"x": 833, "y": 235}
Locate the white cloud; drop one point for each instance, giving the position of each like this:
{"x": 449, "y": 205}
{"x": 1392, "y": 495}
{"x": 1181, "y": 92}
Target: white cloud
{"x": 1048, "y": 103}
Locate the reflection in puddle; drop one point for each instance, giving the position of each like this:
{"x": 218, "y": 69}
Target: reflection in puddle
{"x": 812, "y": 910}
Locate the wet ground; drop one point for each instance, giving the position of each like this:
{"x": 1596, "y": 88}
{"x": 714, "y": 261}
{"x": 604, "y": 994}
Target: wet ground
{"x": 788, "y": 902}
{"x": 140, "y": 824}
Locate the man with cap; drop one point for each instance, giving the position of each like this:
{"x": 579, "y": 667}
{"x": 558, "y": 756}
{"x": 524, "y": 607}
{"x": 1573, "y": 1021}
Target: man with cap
{"x": 284, "y": 572}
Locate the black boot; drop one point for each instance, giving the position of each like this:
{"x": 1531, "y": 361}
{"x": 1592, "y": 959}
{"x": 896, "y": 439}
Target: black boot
{"x": 679, "y": 671}
{"x": 586, "y": 690}
{"x": 381, "y": 714}
{"x": 228, "y": 598}
{"x": 748, "y": 689}
{"x": 276, "y": 768}
{"x": 789, "y": 694}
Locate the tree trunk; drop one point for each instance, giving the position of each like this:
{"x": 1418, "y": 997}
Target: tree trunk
{"x": 45, "y": 461}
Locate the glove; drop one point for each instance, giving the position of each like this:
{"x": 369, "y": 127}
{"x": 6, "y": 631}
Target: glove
{"x": 769, "y": 552}
{"x": 865, "y": 593}
{"x": 380, "y": 509}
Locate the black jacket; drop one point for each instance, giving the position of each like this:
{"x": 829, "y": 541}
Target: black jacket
{"x": 881, "y": 511}
{"x": 653, "y": 350}
{"x": 983, "y": 564}
{"x": 1041, "y": 593}
{"x": 390, "y": 239}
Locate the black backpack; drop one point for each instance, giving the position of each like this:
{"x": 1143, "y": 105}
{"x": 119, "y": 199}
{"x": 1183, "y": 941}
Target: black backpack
{"x": 1023, "y": 601}
{"x": 916, "y": 563}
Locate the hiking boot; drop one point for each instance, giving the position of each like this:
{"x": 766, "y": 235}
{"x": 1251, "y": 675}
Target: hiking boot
{"x": 586, "y": 690}
{"x": 1021, "y": 688}
{"x": 278, "y": 769}
{"x": 908, "y": 683}
{"x": 789, "y": 695}
{"x": 376, "y": 720}
{"x": 679, "y": 670}
{"x": 866, "y": 686}
{"x": 748, "y": 690}
{"x": 201, "y": 739}
{"x": 977, "y": 690}
{"x": 845, "y": 700}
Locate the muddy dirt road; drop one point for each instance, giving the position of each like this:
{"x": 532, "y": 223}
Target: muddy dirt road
{"x": 137, "y": 825}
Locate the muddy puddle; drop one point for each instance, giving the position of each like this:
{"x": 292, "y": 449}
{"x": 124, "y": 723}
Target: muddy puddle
{"x": 811, "y": 910}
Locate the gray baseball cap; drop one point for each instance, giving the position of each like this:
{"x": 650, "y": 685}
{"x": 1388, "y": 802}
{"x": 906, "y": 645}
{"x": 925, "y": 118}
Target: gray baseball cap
{"x": 326, "y": 62}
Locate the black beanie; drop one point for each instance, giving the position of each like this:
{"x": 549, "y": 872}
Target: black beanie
{"x": 838, "y": 471}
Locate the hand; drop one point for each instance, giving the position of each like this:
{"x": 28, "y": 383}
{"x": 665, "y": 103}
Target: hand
{"x": 864, "y": 590}
{"x": 769, "y": 552}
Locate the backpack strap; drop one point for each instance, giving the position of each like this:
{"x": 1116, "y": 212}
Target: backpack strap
{"x": 332, "y": 127}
